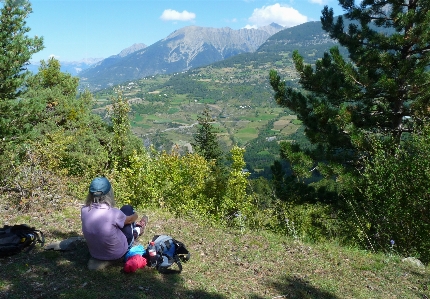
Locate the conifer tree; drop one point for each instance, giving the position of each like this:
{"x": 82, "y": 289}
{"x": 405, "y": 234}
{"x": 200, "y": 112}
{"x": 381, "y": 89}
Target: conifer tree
{"x": 205, "y": 140}
{"x": 381, "y": 90}
{"x": 16, "y": 48}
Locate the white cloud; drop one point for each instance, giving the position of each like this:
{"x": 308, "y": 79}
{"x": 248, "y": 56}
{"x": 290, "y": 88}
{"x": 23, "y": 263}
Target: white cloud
{"x": 173, "y": 15}
{"x": 320, "y": 2}
{"x": 281, "y": 14}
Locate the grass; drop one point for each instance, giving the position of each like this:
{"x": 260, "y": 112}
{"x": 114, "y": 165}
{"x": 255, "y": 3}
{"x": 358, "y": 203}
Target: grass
{"x": 225, "y": 263}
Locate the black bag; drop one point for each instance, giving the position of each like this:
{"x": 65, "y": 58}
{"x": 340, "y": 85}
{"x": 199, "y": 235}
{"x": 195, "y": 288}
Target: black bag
{"x": 13, "y": 239}
{"x": 169, "y": 252}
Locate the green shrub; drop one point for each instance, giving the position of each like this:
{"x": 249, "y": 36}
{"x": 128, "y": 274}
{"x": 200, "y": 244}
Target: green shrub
{"x": 392, "y": 198}
{"x": 306, "y": 222}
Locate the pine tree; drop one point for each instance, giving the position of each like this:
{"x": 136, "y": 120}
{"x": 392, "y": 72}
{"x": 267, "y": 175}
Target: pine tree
{"x": 381, "y": 90}
{"x": 16, "y": 48}
{"x": 205, "y": 140}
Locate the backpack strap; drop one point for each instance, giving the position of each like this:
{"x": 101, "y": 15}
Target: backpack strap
{"x": 38, "y": 238}
{"x": 165, "y": 270}
{"x": 178, "y": 262}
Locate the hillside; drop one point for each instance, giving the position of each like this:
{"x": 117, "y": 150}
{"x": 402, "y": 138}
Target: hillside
{"x": 237, "y": 90}
{"x": 224, "y": 263}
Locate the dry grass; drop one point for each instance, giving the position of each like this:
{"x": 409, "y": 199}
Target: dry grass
{"x": 224, "y": 264}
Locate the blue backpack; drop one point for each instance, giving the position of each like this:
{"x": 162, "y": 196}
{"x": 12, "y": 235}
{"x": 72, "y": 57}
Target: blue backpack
{"x": 168, "y": 252}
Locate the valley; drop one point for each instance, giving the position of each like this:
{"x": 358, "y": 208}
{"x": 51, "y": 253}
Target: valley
{"x": 165, "y": 107}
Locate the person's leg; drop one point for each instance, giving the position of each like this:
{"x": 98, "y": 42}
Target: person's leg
{"x": 128, "y": 229}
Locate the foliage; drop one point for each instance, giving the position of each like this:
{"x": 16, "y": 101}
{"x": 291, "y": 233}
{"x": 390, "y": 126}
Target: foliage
{"x": 305, "y": 222}
{"x": 124, "y": 142}
{"x": 371, "y": 94}
{"x": 236, "y": 203}
{"x": 55, "y": 114}
{"x": 206, "y": 140}
{"x": 56, "y": 126}
{"x": 164, "y": 180}
{"x": 16, "y": 48}
{"x": 182, "y": 185}
{"x": 389, "y": 205}
{"x": 379, "y": 95}
{"x": 32, "y": 178}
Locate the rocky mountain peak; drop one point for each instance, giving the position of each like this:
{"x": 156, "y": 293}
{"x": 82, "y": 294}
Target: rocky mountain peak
{"x": 132, "y": 49}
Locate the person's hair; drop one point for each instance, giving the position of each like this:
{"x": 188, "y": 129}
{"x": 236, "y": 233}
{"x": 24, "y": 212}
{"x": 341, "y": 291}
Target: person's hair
{"x": 107, "y": 199}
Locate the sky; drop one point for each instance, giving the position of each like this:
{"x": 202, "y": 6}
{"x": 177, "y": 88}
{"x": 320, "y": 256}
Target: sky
{"x": 74, "y": 30}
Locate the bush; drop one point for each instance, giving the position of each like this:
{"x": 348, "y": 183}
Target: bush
{"x": 392, "y": 198}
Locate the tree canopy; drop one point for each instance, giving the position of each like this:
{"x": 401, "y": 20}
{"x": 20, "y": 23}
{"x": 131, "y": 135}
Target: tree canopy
{"x": 367, "y": 116}
{"x": 16, "y": 47}
{"x": 206, "y": 140}
{"x": 381, "y": 89}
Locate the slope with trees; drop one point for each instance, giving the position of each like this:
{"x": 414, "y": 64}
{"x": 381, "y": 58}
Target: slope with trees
{"x": 360, "y": 192}
{"x": 371, "y": 106}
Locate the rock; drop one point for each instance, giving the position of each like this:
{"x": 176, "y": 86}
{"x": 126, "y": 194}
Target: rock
{"x": 95, "y": 264}
{"x": 68, "y": 244}
{"x": 413, "y": 261}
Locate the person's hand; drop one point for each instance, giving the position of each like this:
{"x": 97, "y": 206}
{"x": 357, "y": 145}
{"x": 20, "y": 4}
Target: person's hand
{"x": 130, "y": 219}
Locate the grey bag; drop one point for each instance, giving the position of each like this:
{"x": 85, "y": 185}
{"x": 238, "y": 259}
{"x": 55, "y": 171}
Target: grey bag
{"x": 169, "y": 252}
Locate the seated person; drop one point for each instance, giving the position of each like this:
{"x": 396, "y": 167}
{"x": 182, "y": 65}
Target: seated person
{"x": 109, "y": 231}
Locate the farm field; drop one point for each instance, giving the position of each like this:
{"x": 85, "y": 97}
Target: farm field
{"x": 165, "y": 108}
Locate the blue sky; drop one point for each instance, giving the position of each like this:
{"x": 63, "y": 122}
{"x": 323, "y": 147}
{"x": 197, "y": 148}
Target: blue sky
{"x": 78, "y": 29}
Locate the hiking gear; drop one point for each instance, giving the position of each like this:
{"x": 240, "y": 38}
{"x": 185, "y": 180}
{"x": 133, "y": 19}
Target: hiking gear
{"x": 134, "y": 259}
{"x": 135, "y": 250}
{"x": 100, "y": 186}
{"x": 14, "y": 239}
{"x": 133, "y": 263}
{"x": 152, "y": 253}
{"x": 168, "y": 252}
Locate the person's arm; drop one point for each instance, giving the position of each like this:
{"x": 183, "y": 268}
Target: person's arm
{"x": 130, "y": 219}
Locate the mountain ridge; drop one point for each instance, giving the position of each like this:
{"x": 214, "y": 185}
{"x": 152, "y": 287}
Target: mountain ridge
{"x": 186, "y": 48}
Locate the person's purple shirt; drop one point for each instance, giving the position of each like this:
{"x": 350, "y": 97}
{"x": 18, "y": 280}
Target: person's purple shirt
{"x": 101, "y": 228}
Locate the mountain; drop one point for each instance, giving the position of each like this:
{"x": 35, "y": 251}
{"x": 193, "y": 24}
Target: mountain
{"x": 75, "y": 67}
{"x": 111, "y": 60}
{"x": 237, "y": 89}
{"x": 186, "y": 48}
{"x": 131, "y": 49}
{"x": 71, "y": 67}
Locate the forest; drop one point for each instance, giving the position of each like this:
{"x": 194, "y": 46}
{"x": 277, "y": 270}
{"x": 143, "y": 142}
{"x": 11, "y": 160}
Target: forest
{"x": 362, "y": 137}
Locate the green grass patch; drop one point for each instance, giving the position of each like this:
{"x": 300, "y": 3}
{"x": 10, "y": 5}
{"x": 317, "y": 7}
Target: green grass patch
{"x": 251, "y": 131}
{"x": 162, "y": 121}
{"x": 243, "y": 264}
{"x": 296, "y": 122}
{"x": 138, "y": 118}
{"x": 173, "y": 110}
{"x": 259, "y": 117}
